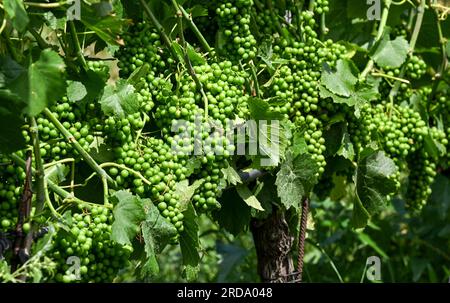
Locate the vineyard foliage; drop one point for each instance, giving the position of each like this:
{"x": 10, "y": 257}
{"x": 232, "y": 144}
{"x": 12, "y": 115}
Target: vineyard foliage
{"x": 140, "y": 139}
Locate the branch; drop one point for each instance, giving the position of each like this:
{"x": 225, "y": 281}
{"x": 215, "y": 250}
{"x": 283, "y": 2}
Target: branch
{"x": 195, "y": 29}
{"x": 187, "y": 61}
{"x": 381, "y": 26}
{"x": 412, "y": 45}
{"x": 90, "y": 161}
{"x": 76, "y": 42}
{"x": 160, "y": 29}
{"x": 444, "y": 62}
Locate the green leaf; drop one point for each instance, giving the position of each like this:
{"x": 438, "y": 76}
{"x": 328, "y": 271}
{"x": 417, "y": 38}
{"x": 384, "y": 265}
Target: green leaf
{"x": 373, "y": 183}
{"x": 361, "y": 95}
{"x": 76, "y": 91}
{"x": 138, "y": 73}
{"x": 57, "y": 173}
{"x": 340, "y": 81}
{"x": 150, "y": 267}
{"x": 11, "y": 122}
{"x": 390, "y": 53}
{"x": 231, "y": 175}
{"x": 248, "y": 197}
{"x": 260, "y": 110}
{"x": 16, "y": 13}
{"x": 234, "y": 215}
{"x": 128, "y": 214}
{"x": 43, "y": 83}
{"x": 94, "y": 85}
{"x": 189, "y": 242}
{"x": 192, "y": 165}
{"x": 299, "y": 145}
{"x": 295, "y": 179}
{"x": 161, "y": 230}
{"x": 346, "y": 150}
{"x": 186, "y": 191}
{"x": 194, "y": 57}
{"x": 107, "y": 27}
{"x": 120, "y": 100}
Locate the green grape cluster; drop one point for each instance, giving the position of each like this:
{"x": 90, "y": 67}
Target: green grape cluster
{"x": 416, "y": 67}
{"x": 266, "y": 20}
{"x": 159, "y": 171}
{"x": 281, "y": 89}
{"x": 314, "y": 139}
{"x": 80, "y": 122}
{"x": 142, "y": 45}
{"x": 398, "y": 129}
{"x": 321, "y": 7}
{"x": 421, "y": 177}
{"x": 12, "y": 179}
{"x": 87, "y": 237}
{"x": 100, "y": 67}
{"x": 234, "y": 23}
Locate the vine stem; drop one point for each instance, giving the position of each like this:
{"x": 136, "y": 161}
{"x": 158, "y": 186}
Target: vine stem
{"x": 195, "y": 29}
{"x": 90, "y": 161}
{"x": 51, "y": 185}
{"x": 412, "y": 45}
{"x": 444, "y": 62}
{"x": 40, "y": 173}
{"x": 160, "y": 29}
{"x": 187, "y": 61}
{"x": 67, "y": 160}
{"x": 46, "y": 5}
{"x": 255, "y": 79}
{"x": 301, "y": 237}
{"x": 41, "y": 42}
{"x": 381, "y": 26}
{"x": 377, "y": 74}
{"x": 123, "y": 167}
{"x": 78, "y": 50}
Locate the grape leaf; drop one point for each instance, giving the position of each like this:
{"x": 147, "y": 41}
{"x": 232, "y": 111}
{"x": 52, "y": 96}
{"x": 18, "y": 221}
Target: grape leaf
{"x": 11, "y": 122}
{"x": 128, "y": 214}
{"x": 159, "y": 228}
{"x": 189, "y": 242}
{"x": 186, "y": 191}
{"x": 150, "y": 266}
{"x": 234, "y": 215}
{"x": 120, "y": 100}
{"x": 390, "y": 53}
{"x": 76, "y": 91}
{"x": 340, "y": 81}
{"x": 16, "y": 13}
{"x": 357, "y": 98}
{"x": 373, "y": 183}
{"x": 107, "y": 27}
{"x": 57, "y": 173}
{"x": 231, "y": 175}
{"x": 260, "y": 110}
{"x": 248, "y": 197}
{"x": 346, "y": 150}
{"x": 42, "y": 84}
{"x": 296, "y": 178}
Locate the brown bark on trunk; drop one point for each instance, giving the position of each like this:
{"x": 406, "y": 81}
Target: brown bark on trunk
{"x": 273, "y": 244}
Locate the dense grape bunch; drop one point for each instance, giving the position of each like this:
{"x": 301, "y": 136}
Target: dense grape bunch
{"x": 87, "y": 238}
{"x": 234, "y": 23}
{"x": 159, "y": 118}
{"x": 12, "y": 179}
{"x": 142, "y": 45}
